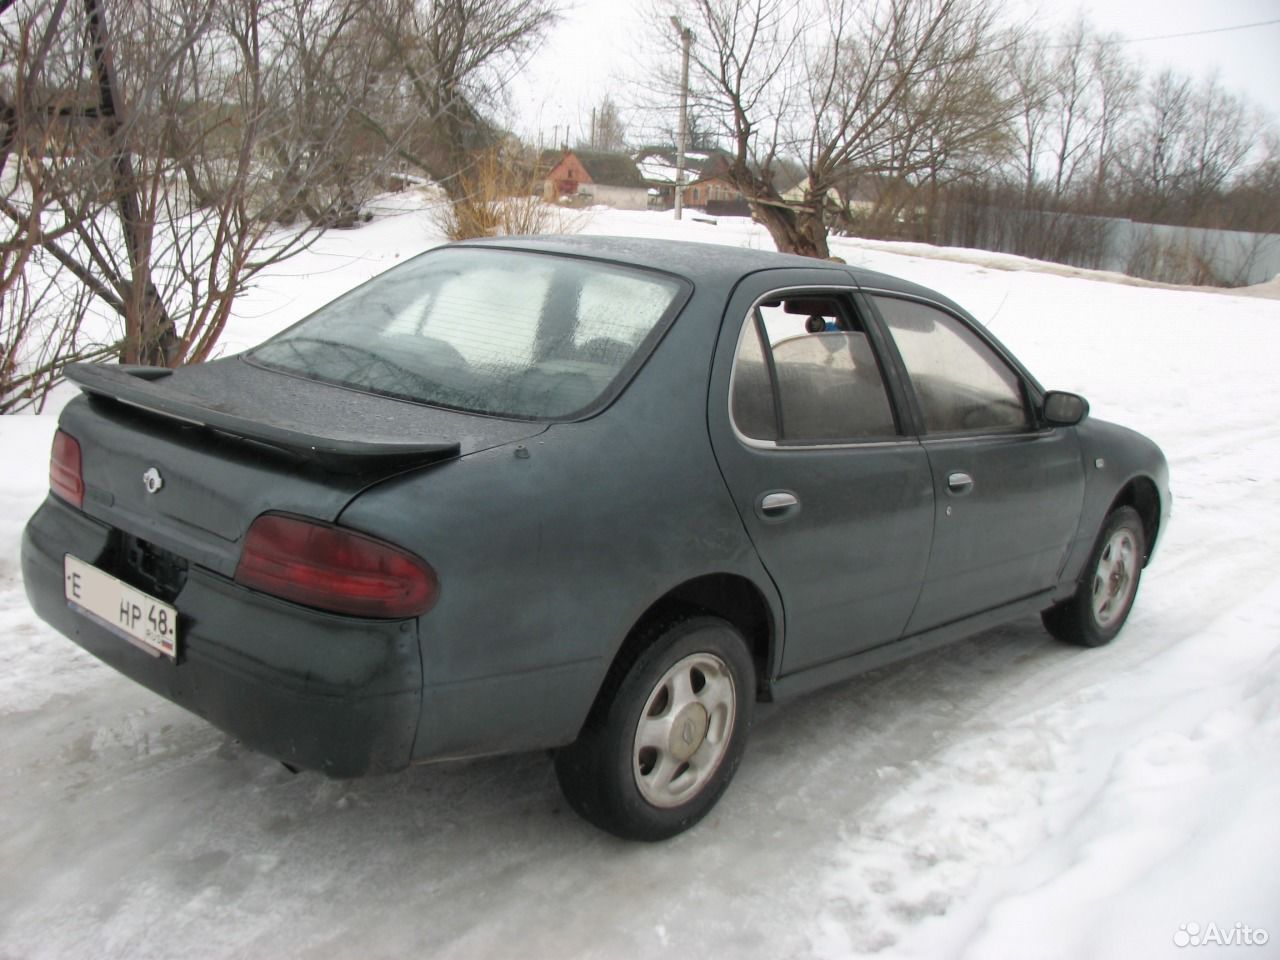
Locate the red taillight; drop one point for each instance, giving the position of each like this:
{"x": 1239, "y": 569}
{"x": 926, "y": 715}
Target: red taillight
{"x": 66, "y": 477}
{"x": 334, "y": 569}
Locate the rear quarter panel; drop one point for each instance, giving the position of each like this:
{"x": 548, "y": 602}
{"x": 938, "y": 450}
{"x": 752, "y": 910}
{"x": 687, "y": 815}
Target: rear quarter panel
{"x": 550, "y": 550}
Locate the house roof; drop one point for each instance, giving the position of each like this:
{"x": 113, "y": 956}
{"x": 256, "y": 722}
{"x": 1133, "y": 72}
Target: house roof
{"x": 608, "y": 169}
{"x": 785, "y": 174}
{"x": 612, "y": 169}
{"x": 658, "y": 164}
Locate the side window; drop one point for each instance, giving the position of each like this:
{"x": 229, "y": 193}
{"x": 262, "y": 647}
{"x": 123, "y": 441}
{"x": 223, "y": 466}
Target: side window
{"x": 962, "y": 384}
{"x": 805, "y": 373}
{"x": 751, "y": 394}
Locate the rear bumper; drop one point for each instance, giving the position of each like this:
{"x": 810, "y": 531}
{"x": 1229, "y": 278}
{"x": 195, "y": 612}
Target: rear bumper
{"x": 319, "y": 692}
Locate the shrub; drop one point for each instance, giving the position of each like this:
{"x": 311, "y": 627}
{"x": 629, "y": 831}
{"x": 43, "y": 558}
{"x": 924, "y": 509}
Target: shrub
{"x": 501, "y": 196}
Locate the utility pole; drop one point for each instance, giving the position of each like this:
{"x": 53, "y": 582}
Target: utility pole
{"x": 686, "y": 37}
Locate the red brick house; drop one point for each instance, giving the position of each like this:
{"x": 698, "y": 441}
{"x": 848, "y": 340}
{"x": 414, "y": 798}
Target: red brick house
{"x": 710, "y": 189}
{"x": 713, "y": 193}
{"x": 610, "y": 178}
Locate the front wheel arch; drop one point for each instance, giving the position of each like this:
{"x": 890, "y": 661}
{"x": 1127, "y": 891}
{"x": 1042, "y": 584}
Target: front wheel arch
{"x": 1141, "y": 494}
{"x": 1099, "y": 606}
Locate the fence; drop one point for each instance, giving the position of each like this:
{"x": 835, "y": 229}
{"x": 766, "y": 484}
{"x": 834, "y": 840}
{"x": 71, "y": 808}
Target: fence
{"x": 1230, "y": 258}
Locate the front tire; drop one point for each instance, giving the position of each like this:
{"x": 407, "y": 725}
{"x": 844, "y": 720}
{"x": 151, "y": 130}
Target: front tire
{"x": 1098, "y": 609}
{"x": 667, "y": 731}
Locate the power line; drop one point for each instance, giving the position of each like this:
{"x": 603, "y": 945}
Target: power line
{"x": 1196, "y": 33}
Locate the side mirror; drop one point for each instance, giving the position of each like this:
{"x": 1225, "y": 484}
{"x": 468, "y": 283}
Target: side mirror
{"x": 1062, "y": 409}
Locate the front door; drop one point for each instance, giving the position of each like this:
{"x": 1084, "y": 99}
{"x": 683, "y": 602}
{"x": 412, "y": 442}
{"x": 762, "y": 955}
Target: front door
{"x": 836, "y": 497}
{"x": 1008, "y": 492}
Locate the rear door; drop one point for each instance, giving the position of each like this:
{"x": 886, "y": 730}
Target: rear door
{"x": 1008, "y": 492}
{"x": 836, "y": 498}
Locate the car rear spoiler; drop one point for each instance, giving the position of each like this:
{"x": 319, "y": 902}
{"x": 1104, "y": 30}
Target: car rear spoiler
{"x": 142, "y": 388}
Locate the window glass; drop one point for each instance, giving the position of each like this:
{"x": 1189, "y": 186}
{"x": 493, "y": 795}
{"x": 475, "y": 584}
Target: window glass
{"x": 488, "y": 331}
{"x": 828, "y": 386}
{"x": 615, "y": 313}
{"x": 752, "y": 389}
{"x": 962, "y": 385}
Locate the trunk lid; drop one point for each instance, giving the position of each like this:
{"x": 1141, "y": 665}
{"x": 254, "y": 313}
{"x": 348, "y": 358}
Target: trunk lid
{"x": 186, "y": 460}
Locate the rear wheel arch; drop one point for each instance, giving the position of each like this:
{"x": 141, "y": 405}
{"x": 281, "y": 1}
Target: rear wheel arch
{"x": 730, "y": 597}
{"x": 713, "y": 625}
{"x": 667, "y": 731}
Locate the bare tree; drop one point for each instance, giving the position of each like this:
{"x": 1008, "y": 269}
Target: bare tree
{"x": 325, "y": 70}
{"x": 951, "y": 125}
{"x": 48, "y": 184}
{"x": 1193, "y": 143}
{"x": 1254, "y": 203}
{"x": 1157, "y": 163}
{"x": 363, "y": 88}
{"x": 451, "y": 61}
{"x": 1117, "y": 83}
{"x": 146, "y": 151}
{"x": 1220, "y": 139}
{"x": 608, "y": 132}
{"x": 1075, "y": 92}
{"x": 900, "y": 88}
{"x": 134, "y": 181}
{"x": 1073, "y": 137}
{"x": 1028, "y": 72}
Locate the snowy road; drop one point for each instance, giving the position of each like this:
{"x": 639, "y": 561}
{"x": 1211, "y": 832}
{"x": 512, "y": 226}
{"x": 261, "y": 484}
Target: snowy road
{"x": 1005, "y": 797}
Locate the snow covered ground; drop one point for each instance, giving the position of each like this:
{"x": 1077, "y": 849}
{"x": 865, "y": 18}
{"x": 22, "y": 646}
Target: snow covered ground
{"x": 1007, "y": 797}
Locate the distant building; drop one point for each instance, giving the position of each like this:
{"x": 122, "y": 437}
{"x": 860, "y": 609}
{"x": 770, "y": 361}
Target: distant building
{"x": 648, "y": 179}
{"x": 707, "y": 186}
{"x": 597, "y": 177}
{"x": 658, "y": 167}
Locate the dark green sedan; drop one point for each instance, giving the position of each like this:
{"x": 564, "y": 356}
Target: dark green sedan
{"x": 598, "y": 496}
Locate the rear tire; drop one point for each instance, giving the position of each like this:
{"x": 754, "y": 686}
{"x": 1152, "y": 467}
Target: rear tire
{"x": 1094, "y": 614}
{"x": 666, "y": 733}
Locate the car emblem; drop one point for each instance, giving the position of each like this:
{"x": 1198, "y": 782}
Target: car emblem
{"x": 152, "y": 480}
{"x": 687, "y": 733}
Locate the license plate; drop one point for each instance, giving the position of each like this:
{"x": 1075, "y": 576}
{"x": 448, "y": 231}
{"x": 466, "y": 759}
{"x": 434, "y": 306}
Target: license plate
{"x": 141, "y": 619}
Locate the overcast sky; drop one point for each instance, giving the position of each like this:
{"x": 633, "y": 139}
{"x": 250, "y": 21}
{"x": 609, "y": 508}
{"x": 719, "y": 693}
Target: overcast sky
{"x": 598, "y": 45}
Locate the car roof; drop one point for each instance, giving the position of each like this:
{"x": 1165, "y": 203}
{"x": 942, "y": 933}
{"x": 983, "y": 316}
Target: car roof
{"x": 713, "y": 263}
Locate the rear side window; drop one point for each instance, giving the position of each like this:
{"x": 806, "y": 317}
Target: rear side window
{"x": 487, "y": 331}
{"x": 961, "y": 383}
{"x": 805, "y": 373}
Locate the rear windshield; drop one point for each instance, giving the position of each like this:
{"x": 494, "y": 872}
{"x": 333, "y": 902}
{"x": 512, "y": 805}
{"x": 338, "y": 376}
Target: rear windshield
{"x": 483, "y": 330}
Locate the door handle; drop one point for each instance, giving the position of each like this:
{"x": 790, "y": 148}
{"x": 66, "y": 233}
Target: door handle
{"x": 774, "y": 503}
{"x": 959, "y": 482}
